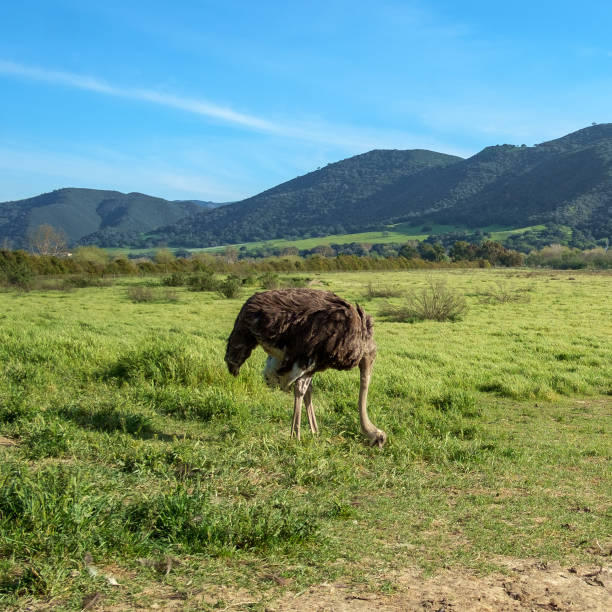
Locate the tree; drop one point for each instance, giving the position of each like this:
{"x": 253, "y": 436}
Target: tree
{"x": 46, "y": 240}
{"x": 409, "y": 251}
{"x": 462, "y": 250}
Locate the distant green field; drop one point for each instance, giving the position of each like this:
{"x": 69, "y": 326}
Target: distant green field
{"x": 127, "y": 451}
{"x": 402, "y": 232}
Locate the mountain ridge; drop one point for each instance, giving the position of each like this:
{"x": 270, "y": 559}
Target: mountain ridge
{"x": 566, "y": 181}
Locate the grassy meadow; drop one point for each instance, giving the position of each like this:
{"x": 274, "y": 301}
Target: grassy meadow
{"x": 134, "y": 469}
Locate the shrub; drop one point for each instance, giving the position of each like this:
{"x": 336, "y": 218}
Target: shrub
{"x": 270, "y": 280}
{"x": 379, "y": 291}
{"x": 435, "y": 302}
{"x": 141, "y": 294}
{"x": 176, "y": 279}
{"x": 230, "y": 287}
{"x": 147, "y": 294}
{"x": 204, "y": 281}
{"x": 297, "y": 281}
{"x": 503, "y": 294}
{"x": 18, "y": 275}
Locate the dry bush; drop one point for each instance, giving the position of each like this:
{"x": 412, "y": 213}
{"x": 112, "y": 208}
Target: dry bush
{"x": 139, "y": 295}
{"x": 502, "y": 294}
{"x": 379, "y": 291}
{"x": 436, "y": 302}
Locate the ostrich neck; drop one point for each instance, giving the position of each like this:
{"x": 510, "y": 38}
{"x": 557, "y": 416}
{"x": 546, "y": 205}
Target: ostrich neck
{"x": 365, "y": 368}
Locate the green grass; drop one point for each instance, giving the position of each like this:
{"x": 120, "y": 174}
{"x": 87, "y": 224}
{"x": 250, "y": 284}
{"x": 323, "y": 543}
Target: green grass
{"x": 133, "y": 443}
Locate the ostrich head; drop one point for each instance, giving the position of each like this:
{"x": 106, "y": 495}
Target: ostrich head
{"x": 377, "y": 438}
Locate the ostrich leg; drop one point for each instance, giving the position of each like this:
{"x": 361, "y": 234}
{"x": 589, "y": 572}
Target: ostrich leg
{"x": 312, "y": 419}
{"x": 299, "y": 390}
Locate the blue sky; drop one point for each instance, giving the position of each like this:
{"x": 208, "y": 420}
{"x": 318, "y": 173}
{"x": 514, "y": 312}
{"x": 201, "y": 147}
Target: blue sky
{"x": 221, "y": 100}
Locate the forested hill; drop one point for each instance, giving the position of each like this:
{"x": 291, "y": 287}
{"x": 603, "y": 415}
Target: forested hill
{"x": 322, "y": 202}
{"x": 565, "y": 181}
{"x": 91, "y": 216}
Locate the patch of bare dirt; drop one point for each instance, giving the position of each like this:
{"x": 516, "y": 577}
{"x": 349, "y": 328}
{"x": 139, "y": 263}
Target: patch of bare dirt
{"x": 527, "y": 587}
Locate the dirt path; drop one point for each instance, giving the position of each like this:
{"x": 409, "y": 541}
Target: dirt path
{"x": 527, "y": 587}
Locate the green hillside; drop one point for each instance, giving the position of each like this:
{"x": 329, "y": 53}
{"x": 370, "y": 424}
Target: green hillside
{"x": 567, "y": 181}
{"x": 319, "y": 203}
{"x": 90, "y": 216}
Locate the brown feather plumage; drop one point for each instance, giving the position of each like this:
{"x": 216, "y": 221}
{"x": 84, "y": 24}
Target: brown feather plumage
{"x": 307, "y": 325}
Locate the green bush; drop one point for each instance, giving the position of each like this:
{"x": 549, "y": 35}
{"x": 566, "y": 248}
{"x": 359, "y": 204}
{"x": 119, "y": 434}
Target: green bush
{"x": 17, "y": 274}
{"x": 176, "y": 279}
{"x": 204, "y": 281}
{"x": 140, "y": 295}
{"x": 230, "y": 287}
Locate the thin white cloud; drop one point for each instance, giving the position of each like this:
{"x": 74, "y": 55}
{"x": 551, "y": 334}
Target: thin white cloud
{"x": 349, "y": 138}
{"x": 199, "y": 107}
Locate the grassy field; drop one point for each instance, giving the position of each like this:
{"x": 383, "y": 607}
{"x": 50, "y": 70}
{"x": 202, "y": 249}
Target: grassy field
{"x": 135, "y": 472}
{"x": 399, "y": 233}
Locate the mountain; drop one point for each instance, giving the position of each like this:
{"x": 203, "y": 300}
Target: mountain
{"x": 565, "y": 184}
{"x": 565, "y": 181}
{"x": 326, "y": 201}
{"x": 91, "y": 216}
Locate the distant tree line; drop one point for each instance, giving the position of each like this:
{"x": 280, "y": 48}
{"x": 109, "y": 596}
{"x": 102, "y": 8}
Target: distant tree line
{"x": 19, "y": 268}
{"x": 565, "y": 233}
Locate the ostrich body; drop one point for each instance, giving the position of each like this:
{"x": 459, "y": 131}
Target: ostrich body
{"x": 305, "y": 331}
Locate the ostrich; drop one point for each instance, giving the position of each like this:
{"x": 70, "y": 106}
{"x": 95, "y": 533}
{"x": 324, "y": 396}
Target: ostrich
{"x": 305, "y": 331}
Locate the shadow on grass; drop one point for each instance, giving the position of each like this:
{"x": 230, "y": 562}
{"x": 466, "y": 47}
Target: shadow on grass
{"x": 109, "y": 420}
